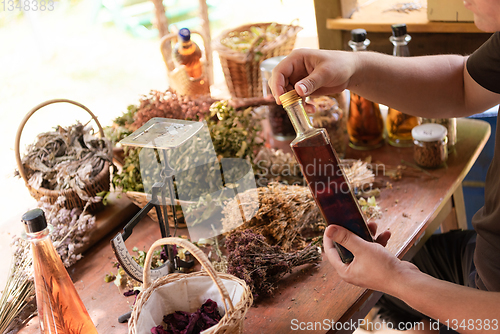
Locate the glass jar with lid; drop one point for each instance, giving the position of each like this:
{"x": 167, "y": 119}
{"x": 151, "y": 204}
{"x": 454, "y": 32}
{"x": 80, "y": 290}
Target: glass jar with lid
{"x": 430, "y": 145}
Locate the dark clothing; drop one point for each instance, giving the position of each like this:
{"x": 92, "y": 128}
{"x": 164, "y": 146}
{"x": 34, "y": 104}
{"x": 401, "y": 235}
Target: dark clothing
{"x": 484, "y": 67}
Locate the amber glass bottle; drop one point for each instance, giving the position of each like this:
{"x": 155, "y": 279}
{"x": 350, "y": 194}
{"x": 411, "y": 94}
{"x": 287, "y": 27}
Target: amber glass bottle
{"x": 365, "y": 124}
{"x": 60, "y": 308}
{"x": 188, "y": 53}
{"x": 326, "y": 179}
{"x": 398, "y": 124}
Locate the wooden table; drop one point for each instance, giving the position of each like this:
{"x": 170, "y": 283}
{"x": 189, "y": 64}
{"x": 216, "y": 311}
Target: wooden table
{"x": 413, "y": 209}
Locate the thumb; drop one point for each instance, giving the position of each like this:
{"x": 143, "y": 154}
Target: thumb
{"x": 309, "y": 84}
{"x": 345, "y": 238}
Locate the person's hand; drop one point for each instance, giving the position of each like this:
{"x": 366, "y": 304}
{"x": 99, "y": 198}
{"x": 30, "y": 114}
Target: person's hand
{"x": 373, "y": 267}
{"x": 318, "y": 72}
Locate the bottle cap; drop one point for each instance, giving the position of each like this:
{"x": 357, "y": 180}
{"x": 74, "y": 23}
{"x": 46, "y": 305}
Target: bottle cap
{"x": 289, "y": 98}
{"x": 398, "y": 30}
{"x": 429, "y": 132}
{"x": 185, "y": 34}
{"x": 358, "y": 35}
{"x": 34, "y": 221}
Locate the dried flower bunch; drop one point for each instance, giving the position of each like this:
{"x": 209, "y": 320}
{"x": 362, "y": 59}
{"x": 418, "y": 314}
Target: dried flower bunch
{"x": 68, "y": 158}
{"x": 261, "y": 265}
{"x": 284, "y": 213}
{"x": 71, "y": 229}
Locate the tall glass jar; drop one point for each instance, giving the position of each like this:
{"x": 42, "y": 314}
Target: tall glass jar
{"x": 365, "y": 124}
{"x": 399, "y": 124}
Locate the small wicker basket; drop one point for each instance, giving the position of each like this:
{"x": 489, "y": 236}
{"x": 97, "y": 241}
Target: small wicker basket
{"x": 178, "y": 78}
{"x": 242, "y": 70}
{"x": 100, "y": 183}
{"x": 161, "y": 297}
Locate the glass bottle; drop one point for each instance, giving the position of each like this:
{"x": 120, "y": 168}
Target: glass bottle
{"x": 365, "y": 124}
{"x": 60, "y": 308}
{"x": 326, "y": 179}
{"x": 188, "y": 53}
{"x": 398, "y": 124}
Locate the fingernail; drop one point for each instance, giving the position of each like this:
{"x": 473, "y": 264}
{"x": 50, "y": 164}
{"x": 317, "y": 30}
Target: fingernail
{"x": 330, "y": 231}
{"x": 303, "y": 88}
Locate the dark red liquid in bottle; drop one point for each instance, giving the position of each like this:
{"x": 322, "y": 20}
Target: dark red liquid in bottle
{"x": 330, "y": 188}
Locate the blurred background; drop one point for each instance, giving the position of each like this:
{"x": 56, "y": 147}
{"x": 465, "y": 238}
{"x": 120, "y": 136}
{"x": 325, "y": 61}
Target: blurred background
{"x": 104, "y": 54}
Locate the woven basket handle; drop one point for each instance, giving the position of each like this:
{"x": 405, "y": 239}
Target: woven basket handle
{"x": 29, "y": 114}
{"x": 167, "y": 57}
{"x": 199, "y": 255}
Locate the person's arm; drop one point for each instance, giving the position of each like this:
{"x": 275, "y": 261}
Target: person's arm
{"x": 375, "y": 268}
{"x": 422, "y": 86}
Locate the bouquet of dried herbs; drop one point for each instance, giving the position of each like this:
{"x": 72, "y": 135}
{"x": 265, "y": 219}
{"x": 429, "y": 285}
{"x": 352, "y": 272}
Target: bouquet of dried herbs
{"x": 71, "y": 229}
{"x": 234, "y": 132}
{"x": 261, "y": 265}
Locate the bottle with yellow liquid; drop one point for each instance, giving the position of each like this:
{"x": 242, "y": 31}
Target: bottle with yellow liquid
{"x": 399, "y": 124}
{"x": 60, "y": 308}
{"x": 365, "y": 124}
{"x": 188, "y": 53}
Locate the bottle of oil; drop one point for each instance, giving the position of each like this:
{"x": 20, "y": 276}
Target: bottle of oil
{"x": 365, "y": 124}
{"x": 60, "y": 308}
{"x": 398, "y": 124}
{"x": 188, "y": 53}
{"x": 326, "y": 179}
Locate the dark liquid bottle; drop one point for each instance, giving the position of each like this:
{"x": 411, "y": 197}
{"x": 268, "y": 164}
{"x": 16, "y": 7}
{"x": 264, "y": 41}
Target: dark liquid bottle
{"x": 320, "y": 166}
{"x": 59, "y": 306}
{"x": 188, "y": 53}
{"x": 399, "y": 124}
{"x": 365, "y": 124}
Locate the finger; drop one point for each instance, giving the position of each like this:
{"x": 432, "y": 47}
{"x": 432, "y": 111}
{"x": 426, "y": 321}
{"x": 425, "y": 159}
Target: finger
{"x": 373, "y": 228}
{"x": 330, "y": 249}
{"x": 347, "y": 239}
{"x": 383, "y": 238}
{"x": 310, "y": 108}
{"x": 310, "y": 84}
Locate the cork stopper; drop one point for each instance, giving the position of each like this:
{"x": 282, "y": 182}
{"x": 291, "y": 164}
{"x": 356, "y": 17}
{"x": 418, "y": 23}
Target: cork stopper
{"x": 34, "y": 221}
{"x": 289, "y": 98}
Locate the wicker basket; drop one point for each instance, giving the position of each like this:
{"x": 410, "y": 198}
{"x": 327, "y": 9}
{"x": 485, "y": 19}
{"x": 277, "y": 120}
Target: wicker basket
{"x": 100, "y": 183}
{"x": 242, "y": 70}
{"x": 178, "y": 78}
{"x": 141, "y": 199}
{"x": 161, "y": 297}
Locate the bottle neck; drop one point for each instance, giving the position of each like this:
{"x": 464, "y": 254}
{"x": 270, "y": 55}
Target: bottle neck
{"x": 38, "y": 236}
{"x": 401, "y": 45}
{"x": 359, "y": 46}
{"x": 299, "y": 118}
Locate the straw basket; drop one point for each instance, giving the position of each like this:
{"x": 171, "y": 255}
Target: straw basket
{"x": 178, "y": 78}
{"x": 187, "y": 292}
{"x": 141, "y": 199}
{"x": 100, "y": 183}
{"x": 242, "y": 70}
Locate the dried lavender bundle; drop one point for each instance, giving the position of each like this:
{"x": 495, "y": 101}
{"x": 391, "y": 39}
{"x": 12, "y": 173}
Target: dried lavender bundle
{"x": 261, "y": 265}
{"x": 71, "y": 232}
{"x": 68, "y": 158}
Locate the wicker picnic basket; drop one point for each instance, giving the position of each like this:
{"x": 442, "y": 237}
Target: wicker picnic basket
{"x": 100, "y": 183}
{"x": 178, "y": 78}
{"x": 242, "y": 70}
{"x": 187, "y": 292}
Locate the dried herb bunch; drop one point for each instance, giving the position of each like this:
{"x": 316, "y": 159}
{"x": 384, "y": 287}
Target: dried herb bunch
{"x": 261, "y": 265}
{"x": 67, "y": 158}
{"x": 71, "y": 232}
{"x": 285, "y": 213}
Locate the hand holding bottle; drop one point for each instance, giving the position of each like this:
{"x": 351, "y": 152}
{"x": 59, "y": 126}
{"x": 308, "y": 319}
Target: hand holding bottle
{"x": 373, "y": 267}
{"x": 312, "y": 72}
